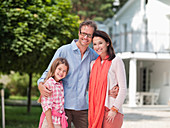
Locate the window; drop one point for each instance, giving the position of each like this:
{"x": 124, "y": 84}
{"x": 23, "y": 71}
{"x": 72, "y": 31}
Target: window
{"x": 145, "y": 75}
{"x": 125, "y": 37}
{"x": 110, "y": 32}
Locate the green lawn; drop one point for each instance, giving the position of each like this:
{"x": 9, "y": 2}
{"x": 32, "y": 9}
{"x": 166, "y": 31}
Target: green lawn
{"x": 17, "y": 117}
{"x": 22, "y": 98}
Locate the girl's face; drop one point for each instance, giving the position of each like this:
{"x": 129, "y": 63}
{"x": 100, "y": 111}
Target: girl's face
{"x": 60, "y": 72}
{"x": 100, "y": 46}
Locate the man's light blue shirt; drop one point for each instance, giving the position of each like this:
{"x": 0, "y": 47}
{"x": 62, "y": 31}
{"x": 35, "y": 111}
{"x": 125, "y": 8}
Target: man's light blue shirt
{"x": 76, "y": 82}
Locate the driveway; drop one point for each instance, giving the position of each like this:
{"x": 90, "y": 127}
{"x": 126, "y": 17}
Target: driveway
{"x": 146, "y": 117}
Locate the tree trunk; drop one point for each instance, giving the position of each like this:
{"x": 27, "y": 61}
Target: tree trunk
{"x": 29, "y": 93}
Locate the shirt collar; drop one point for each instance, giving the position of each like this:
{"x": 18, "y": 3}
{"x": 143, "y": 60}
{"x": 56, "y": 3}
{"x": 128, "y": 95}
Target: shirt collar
{"x": 74, "y": 46}
{"x": 55, "y": 82}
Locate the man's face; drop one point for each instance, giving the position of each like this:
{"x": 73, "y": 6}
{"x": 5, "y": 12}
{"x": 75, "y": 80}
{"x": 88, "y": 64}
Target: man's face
{"x": 85, "y": 35}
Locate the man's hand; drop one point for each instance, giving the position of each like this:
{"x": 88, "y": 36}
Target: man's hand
{"x": 44, "y": 90}
{"x": 114, "y": 91}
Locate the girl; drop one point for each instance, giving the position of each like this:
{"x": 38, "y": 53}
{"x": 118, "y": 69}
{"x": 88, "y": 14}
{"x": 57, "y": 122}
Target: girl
{"x": 107, "y": 74}
{"x": 53, "y": 115}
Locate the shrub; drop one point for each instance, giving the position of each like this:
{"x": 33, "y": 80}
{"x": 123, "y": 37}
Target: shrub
{"x": 6, "y": 91}
{"x": 19, "y": 83}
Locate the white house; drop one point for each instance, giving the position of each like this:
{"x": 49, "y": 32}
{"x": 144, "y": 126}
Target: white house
{"x": 140, "y": 32}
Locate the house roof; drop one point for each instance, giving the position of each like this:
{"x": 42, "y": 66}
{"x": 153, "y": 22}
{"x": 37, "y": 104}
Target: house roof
{"x": 144, "y": 56}
{"x": 126, "y": 6}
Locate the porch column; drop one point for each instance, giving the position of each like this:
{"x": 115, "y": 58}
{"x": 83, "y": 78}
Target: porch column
{"x": 132, "y": 82}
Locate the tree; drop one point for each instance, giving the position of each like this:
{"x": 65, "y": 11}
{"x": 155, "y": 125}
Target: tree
{"x": 31, "y": 31}
{"x": 120, "y": 4}
{"x": 97, "y": 10}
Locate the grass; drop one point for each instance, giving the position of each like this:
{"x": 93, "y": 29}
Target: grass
{"x": 17, "y": 117}
{"x": 22, "y": 98}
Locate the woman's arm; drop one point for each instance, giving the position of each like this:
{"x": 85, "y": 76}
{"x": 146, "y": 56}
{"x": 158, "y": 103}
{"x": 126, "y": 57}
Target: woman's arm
{"x": 120, "y": 91}
{"x": 119, "y": 70}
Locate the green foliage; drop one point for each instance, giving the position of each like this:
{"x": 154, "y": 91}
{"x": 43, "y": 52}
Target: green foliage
{"x": 1, "y": 86}
{"x": 19, "y": 84}
{"x": 31, "y": 30}
{"x": 122, "y": 2}
{"x": 6, "y": 91}
{"x": 97, "y": 10}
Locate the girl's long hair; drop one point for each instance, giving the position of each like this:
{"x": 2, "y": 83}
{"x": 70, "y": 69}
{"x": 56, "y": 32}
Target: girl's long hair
{"x": 53, "y": 67}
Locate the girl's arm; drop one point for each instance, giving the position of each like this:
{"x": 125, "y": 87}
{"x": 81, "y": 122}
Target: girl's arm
{"x": 49, "y": 118}
{"x": 47, "y": 103}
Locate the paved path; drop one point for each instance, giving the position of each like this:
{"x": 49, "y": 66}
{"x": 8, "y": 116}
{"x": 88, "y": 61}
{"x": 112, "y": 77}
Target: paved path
{"x": 21, "y": 102}
{"x": 147, "y": 117}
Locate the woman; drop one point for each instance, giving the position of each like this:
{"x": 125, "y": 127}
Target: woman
{"x": 108, "y": 72}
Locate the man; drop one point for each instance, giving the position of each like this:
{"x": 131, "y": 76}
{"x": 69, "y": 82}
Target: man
{"x": 79, "y": 56}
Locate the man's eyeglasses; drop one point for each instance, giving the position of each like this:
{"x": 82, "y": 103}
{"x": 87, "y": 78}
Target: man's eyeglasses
{"x": 85, "y": 34}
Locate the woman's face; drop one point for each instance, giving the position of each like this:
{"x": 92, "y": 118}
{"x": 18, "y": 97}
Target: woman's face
{"x": 100, "y": 46}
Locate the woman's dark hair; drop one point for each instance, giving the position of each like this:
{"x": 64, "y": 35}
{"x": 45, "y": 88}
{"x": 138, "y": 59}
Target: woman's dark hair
{"x": 106, "y": 37}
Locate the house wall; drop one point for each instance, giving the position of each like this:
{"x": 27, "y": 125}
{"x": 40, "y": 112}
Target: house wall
{"x": 161, "y": 79}
{"x": 158, "y": 15}
{"x": 160, "y": 76}
{"x": 132, "y": 17}
{"x": 147, "y": 27}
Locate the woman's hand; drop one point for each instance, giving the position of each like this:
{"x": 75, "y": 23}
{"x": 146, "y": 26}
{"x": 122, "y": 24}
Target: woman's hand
{"x": 111, "y": 115}
{"x": 44, "y": 90}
